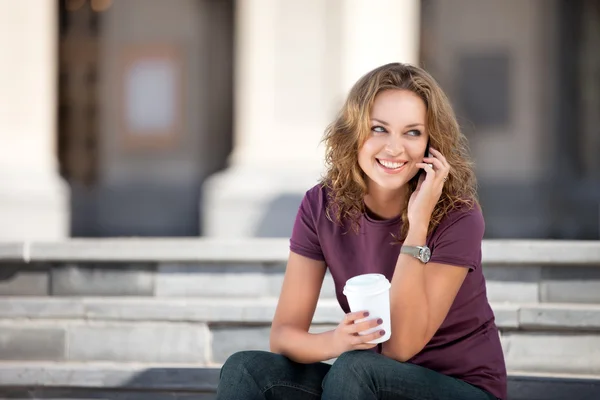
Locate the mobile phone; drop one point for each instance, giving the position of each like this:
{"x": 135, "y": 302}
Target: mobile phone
{"x": 426, "y": 154}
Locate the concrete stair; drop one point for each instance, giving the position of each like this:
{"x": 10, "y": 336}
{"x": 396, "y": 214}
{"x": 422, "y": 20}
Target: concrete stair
{"x": 124, "y": 381}
{"x": 155, "y": 319}
{"x": 556, "y": 338}
{"x": 172, "y": 347}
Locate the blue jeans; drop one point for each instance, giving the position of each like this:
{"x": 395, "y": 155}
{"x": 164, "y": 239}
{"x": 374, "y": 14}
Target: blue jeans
{"x": 364, "y": 375}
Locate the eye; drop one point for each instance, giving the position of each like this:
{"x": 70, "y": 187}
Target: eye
{"x": 414, "y": 132}
{"x": 378, "y": 129}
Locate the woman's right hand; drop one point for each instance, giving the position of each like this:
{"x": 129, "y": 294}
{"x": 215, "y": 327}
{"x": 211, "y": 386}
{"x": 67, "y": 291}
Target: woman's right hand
{"x": 346, "y": 336}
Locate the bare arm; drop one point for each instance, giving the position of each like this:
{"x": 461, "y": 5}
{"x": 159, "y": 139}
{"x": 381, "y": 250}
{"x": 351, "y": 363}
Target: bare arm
{"x": 295, "y": 310}
{"x": 421, "y": 296}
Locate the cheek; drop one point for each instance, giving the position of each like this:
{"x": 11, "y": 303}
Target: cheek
{"x": 363, "y": 158}
{"x": 369, "y": 149}
{"x": 417, "y": 152}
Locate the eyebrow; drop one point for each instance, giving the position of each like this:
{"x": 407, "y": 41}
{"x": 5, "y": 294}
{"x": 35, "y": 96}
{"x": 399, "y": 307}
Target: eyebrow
{"x": 407, "y": 126}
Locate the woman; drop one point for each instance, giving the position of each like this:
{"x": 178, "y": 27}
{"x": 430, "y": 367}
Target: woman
{"x": 384, "y": 206}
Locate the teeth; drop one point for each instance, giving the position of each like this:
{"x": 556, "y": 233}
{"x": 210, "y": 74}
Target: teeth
{"x": 389, "y": 164}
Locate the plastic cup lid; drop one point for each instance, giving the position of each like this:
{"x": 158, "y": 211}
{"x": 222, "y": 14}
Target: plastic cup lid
{"x": 366, "y": 284}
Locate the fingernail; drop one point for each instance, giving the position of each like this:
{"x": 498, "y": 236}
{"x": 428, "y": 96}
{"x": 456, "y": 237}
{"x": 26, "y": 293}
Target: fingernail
{"x": 379, "y": 321}
{"x": 382, "y": 332}
{"x": 366, "y": 314}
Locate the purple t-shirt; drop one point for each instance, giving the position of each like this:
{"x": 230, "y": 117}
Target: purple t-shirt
{"x": 467, "y": 344}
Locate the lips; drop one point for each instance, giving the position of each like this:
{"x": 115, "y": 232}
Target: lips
{"x": 391, "y": 165}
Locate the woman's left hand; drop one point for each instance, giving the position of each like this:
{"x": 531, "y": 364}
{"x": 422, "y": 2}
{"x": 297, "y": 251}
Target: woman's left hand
{"x": 429, "y": 189}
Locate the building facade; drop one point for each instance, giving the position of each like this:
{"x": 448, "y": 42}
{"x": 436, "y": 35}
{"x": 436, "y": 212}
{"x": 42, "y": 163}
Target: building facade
{"x": 202, "y": 117}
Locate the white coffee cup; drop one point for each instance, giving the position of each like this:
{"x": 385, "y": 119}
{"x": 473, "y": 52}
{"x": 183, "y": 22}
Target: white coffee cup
{"x": 371, "y": 292}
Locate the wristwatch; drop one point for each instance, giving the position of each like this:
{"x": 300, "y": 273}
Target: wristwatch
{"x": 421, "y": 253}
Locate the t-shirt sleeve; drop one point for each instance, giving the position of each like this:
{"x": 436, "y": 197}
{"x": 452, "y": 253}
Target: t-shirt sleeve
{"x": 458, "y": 241}
{"x": 305, "y": 239}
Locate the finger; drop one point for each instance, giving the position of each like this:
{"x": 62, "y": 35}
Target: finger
{"x": 353, "y": 316}
{"x": 429, "y": 171}
{"x": 437, "y": 163}
{"x": 365, "y": 325}
{"x": 441, "y": 170}
{"x": 365, "y": 346}
{"x": 440, "y": 156}
{"x": 364, "y": 339}
{"x": 372, "y": 336}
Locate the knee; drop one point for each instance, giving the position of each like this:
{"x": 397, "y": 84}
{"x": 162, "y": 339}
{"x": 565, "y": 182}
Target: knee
{"x": 353, "y": 360}
{"x": 352, "y": 366}
{"x": 238, "y": 375}
{"x": 239, "y": 364}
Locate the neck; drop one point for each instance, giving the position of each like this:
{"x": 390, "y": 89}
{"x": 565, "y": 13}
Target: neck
{"x": 385, "y": 204}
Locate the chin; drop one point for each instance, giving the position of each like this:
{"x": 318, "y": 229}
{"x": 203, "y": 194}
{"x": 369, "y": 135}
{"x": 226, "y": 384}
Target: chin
{"x": 388, "y": 185}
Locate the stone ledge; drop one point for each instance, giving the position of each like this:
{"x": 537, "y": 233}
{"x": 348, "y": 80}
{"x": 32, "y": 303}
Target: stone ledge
{"x": 213, "y": 310}
{"x": 203, "y": 380}
{"x": 572, "y": 352}
{"x": 77, "y": 393}
{"x": 109, "y": 375}
{"x": 520, "y": 284}
{"x": 536, "y": 252}
{"x": 111, "y": 341}
{"x": 541, "y": 252}
{"x": 548, "y": 387}
{"x": 582, "y": 317}
{"x": 260, "y": 311}
{"x": 162, "y": 249}
{"x": 507, "y": 315}
{"x": 12, "y": 251}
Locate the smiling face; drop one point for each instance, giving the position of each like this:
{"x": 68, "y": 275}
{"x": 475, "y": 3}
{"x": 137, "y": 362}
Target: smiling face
{"x": 397, "y": 140}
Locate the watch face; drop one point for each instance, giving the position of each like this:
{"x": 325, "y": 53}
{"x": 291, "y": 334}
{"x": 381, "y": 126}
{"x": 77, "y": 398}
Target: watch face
{"x": 425, "y": 254}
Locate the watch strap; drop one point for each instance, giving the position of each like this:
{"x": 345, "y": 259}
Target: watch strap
{"x": 414, "y": 251}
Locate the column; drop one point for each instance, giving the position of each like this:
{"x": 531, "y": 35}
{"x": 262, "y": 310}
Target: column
{"x": 377, "y": 32}
{"x": 295, "y": 61}
{"x": 33, "y": 199}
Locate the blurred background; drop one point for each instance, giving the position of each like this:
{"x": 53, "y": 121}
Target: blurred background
{"x": 203, "y": 117}
{"x": 191, "y": 119}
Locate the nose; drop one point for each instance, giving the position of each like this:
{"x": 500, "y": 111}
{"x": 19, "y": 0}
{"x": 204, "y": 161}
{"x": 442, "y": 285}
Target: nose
{"x": 394, "y": 145}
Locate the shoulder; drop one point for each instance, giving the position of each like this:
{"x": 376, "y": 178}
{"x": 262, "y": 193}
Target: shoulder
{"x": 316, "y": 199}
{"x": 457, "y": 239}
{"x": 463, "y": 217}
{"x": 308, "y": 226}
{"x": 312, "y": 208}
{"x": 317, "y": 194}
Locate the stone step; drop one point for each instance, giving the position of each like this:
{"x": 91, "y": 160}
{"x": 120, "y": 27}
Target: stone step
{"x": 21, "y": 380}
{"x": 273, "y": 250}
{"x": 505, "y": 283}
{"x": 217, "y": 310}
{"x": 516, "y": 271}
{"x": 553, "y": 338}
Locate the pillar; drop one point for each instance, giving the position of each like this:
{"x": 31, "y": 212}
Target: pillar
{"x": 295, "y": 61}
{"x": 33, "y": 198}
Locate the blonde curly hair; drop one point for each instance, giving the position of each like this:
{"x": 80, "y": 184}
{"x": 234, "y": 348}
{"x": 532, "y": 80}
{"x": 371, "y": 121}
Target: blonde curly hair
{"x": 345, "y": 136}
